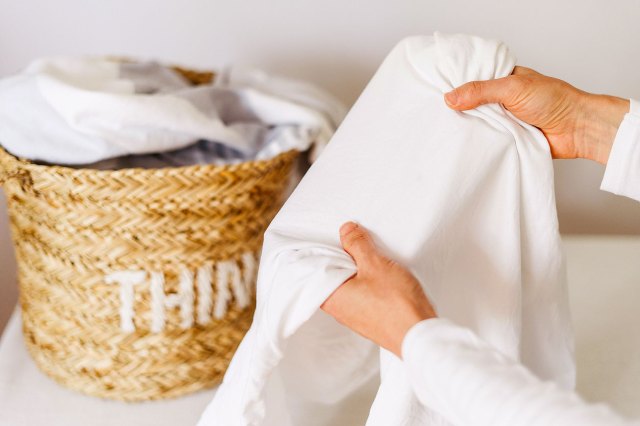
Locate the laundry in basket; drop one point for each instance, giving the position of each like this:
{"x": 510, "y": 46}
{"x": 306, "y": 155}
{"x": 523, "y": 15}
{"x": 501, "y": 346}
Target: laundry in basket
{"x": 137, "y": 265}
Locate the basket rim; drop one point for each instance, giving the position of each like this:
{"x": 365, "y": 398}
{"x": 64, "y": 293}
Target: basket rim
{"x": 26, "y": 164}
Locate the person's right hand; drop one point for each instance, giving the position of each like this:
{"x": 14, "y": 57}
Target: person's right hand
{"x": 577, "y": 124}
{"x": 383, "y": 300}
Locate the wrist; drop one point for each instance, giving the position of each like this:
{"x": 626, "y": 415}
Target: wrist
{"x": 405, "y": 323}
{"x": 598, "y": 124}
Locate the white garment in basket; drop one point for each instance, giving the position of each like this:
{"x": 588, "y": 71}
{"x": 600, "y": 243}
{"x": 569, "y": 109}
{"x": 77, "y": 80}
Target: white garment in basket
{"x": 80, "y": 110}
{"x": 464, "y": 199}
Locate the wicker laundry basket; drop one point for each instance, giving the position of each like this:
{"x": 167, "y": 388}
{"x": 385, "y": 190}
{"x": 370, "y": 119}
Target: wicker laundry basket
{"x": 137, "y": 284}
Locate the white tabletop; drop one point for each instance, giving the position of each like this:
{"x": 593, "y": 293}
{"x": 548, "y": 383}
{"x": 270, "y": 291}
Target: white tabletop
{"x": 604, "y": 275}
{"x": 604, "y": 286}
{"x": 29, "y": 398}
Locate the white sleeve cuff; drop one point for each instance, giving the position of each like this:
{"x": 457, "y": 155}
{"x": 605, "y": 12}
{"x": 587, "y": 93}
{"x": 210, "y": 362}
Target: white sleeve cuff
{"x": 428, "y": 333}
{"x": 622, "y": 175}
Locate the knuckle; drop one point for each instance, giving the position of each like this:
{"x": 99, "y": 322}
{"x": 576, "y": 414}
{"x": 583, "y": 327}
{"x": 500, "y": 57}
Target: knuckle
{"x": 517, "y": 81}
{"x": 351, "y": 238}
{"x": 358, "y": 237}
{"x": 511, "y": 86}
{"x": 520, "y": 70}
{"x": 514, "y": 87}
{"x": 476, "y": 88}
{"x": 382, "y": 263}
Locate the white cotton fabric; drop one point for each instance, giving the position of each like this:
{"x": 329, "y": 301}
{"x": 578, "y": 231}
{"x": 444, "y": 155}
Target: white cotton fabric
{"x": 81, "y": 110}
{"x": 470, "y": 383}
{"x": 465, "y": 200}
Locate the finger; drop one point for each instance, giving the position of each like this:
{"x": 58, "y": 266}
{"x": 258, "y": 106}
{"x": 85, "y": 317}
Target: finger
{"x": 339, "y": 296}
{"x": 524, "y": 71}
{"x": 476, "y": 93}
{"x": 358, "y": 243}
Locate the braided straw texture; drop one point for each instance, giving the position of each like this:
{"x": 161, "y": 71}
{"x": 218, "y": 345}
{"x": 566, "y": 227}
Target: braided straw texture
{"x": 73, "y": 227}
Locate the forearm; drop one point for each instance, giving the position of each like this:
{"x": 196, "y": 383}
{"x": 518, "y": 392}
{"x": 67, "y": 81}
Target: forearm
{"x": 469, "y": 382}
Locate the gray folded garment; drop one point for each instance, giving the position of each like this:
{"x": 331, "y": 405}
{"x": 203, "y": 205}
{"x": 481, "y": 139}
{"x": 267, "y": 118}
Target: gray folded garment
{"x": 200, "y": 153}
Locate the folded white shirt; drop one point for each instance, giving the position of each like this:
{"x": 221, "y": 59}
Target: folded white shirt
{"x": 465, "y": 200}
{"x": 79, "y": 110}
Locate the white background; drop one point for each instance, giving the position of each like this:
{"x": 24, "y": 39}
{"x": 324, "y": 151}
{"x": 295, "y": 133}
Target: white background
{"x": 338, "y": 43}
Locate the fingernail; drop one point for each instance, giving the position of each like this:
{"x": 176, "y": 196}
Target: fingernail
{"x": 451, "y": 97}
{"x": 348, "y": 227}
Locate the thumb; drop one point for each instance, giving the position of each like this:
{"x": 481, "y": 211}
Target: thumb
{"x": 358, "y": 243}
{"x": 475, "y": 93}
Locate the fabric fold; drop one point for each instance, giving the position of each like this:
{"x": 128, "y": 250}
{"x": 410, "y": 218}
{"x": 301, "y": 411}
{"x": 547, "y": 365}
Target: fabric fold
{"x": 90, "y": 110}
{"x": 465, "y": 200}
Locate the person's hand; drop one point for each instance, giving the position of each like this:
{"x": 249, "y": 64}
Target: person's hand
{"x": 577, "y": 124}
{"x": 383, "y": 300}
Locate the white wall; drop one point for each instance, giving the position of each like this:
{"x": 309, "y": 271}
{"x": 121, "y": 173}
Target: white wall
{"x": 337, "y": 44}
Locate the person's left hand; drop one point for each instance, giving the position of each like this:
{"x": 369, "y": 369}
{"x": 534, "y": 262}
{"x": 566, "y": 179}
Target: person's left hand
{"x": 383, "y": 300}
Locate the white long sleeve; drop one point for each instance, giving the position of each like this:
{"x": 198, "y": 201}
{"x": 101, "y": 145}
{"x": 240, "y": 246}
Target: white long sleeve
{"x": 470, "y": 383}
{"x": 622, "y": 175}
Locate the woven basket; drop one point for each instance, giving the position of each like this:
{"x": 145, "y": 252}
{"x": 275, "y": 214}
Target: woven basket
{"x": 137, "y": 284}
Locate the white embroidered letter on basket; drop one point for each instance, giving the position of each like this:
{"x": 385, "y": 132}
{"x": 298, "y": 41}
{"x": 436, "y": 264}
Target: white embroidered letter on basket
{"x": 230, "y": 281}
